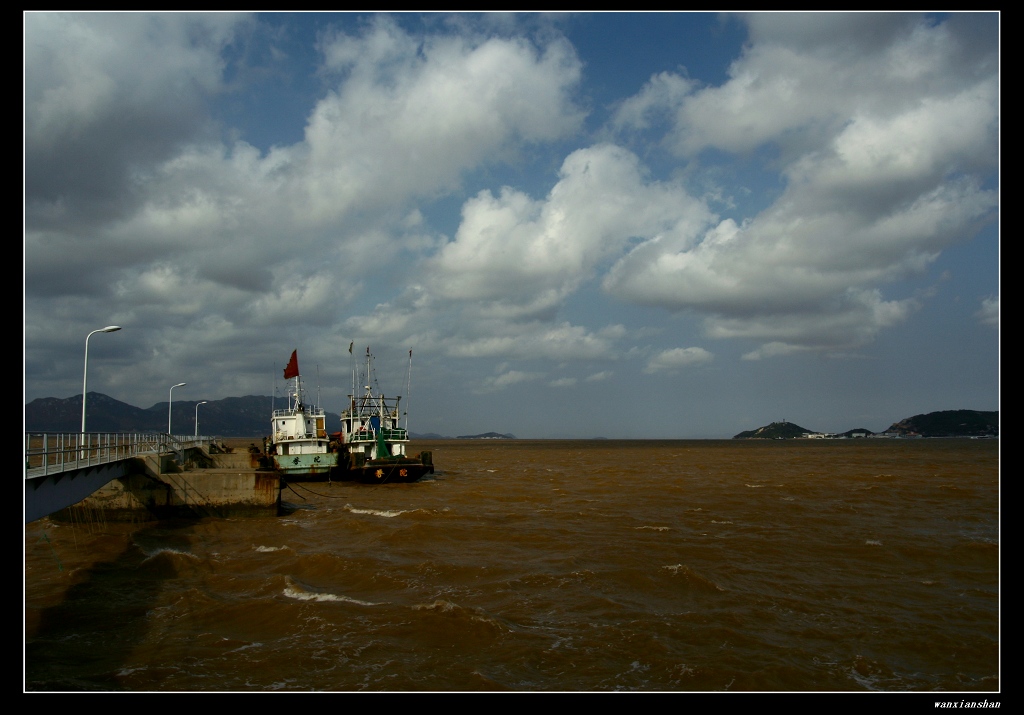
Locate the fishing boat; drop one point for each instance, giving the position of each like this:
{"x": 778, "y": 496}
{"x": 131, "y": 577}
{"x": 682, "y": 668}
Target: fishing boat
{"x": 299, "y": 444}
{"x": 372, "y": 444}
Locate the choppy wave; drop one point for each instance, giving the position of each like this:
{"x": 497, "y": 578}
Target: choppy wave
{"x": 692, "y": 576}
{"x": 472, "y": 615}
{"x": 438, "y": 605}
{"x": 300, "y": 593}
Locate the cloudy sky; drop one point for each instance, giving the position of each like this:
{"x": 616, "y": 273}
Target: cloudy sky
{"x": 645, "y": 225}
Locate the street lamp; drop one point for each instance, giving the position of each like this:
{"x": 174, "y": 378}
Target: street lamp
{"x": 85, "y": 372}
{"x": 169, "y": 393}
{"x": 197, "y": 416}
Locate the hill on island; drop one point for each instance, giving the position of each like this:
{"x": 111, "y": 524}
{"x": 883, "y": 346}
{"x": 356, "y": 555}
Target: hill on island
{"x": 776, "y": 430}
{"x": 949, "y": 423}
{"x": 486, "y": 435}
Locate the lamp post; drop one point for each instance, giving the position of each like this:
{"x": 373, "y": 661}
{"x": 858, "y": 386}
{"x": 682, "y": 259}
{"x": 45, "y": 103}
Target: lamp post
{"x": 85, "y": 371}
{"x": 197, "y": 416}
{"x": 169, "y": 403}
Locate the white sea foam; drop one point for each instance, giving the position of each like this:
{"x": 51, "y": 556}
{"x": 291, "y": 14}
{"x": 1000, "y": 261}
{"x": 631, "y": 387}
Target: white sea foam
{"x": 171, "y": 552}
{"x": 266, "y": 549}
{"x": 873, "y": 542}
{"x": 376, "y": 512}
{"x": 652, "y": 528}
{"x": 247, "y": 646}
{"x": 300, "y": 595}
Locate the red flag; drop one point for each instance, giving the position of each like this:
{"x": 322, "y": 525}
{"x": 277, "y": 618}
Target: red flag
{"x": 292, "y": 370}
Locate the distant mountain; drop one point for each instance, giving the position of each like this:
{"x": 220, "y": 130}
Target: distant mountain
{"x": 486, "y": 435}
{"x": 230, "y": 417}
{"x": 948, "y": 423}
{"x": 776, "y": 430}
{"x": 51, "y": 414}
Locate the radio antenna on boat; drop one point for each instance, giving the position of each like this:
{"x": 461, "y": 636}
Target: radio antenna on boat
{"x": 408, "y": 392}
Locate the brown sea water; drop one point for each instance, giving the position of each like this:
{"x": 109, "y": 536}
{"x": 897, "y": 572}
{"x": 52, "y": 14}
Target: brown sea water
{"x": 551, "y": 565}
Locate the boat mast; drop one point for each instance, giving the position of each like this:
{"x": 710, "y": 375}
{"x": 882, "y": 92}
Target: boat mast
{"x": 352, "y": 395}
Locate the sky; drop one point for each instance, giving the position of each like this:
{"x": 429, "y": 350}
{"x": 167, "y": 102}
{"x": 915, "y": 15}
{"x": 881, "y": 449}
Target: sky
{"x": 621, "y": 225}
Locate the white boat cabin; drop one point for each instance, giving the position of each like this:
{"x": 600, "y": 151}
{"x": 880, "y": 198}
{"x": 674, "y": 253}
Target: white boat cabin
{"x": 300, "y": 429}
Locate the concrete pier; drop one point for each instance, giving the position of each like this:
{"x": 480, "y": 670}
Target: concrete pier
{"x": 218, "y": 485}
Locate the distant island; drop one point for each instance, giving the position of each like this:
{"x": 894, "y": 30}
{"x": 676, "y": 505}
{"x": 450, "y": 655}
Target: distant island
{"x": 946, "y": 423}
{"x": 486, "y": 435}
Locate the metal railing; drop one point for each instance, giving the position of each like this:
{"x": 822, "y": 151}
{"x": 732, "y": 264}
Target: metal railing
{"x": 55, "y": 452}
{"x": 370, "y": 435}
{"x": 308, "y": 410}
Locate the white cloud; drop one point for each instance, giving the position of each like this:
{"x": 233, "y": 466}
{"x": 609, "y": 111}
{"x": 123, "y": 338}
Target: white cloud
{"x": 887, "y": 130}
{"x": 677, "y": 358}
{"x": 518, "y": 257}
{"x": 538, "y": 340}
{"x": 989, "y": 312}
{"x": 307, "y": 300}
{"x": 410, "y": 114}
{"x": 663, "y": 92}
{"x": 131, "y": 195}
{"x": 852, "y": 320}
{"x": 507, "y": 379}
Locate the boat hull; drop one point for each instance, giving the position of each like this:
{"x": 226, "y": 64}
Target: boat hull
{"x": 387, "y": 471}
{"x": 306, "y": 467}
{"x": 390, "y": 470}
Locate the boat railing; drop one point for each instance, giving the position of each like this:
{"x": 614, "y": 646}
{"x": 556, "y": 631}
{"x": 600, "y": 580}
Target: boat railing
{"x": 306, "y": 410}
{"x": 369, "y": 435}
